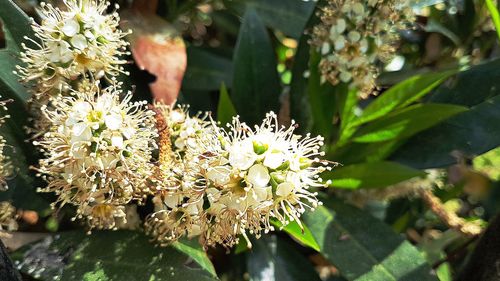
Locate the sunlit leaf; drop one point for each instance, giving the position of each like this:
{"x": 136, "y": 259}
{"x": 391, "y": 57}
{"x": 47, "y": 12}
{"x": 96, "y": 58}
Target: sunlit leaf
{"x": 107, "y": 255}
{"x": 370, "y": 175}
{"x": 364, "y": 248}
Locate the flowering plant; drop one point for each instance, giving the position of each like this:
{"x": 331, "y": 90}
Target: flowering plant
{"x": 248, "y": 140}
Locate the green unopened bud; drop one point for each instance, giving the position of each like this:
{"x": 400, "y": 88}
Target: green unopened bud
{"x": 284, "y": 166}
{"x": 259, "y": 147}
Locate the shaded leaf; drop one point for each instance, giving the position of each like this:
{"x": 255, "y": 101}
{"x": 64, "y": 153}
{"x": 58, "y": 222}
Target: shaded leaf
{"x": 105, "y": 255}
{"x": 364, "y": 248}
{"x": 206, "y": 71}
{"x": 322, "y": 97}
{"x": 256, "y": 87}
{"x": 300, "y": 109}
{"x": 472, "y": 132}
{"x": 470, "y": 87}
{"x": 225, "y": 109}
{"x": 273, "y": 259}
{"x": 289, "y": 16}
{"x": 407, "y": 122}
{"x": 370, "y": 175}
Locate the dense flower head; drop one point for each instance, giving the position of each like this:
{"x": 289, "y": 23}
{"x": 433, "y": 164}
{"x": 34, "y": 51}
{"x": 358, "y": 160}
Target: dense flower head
{"x": 98, "y": 152}
{"x": 237, "y": 180}
{"x": 178, "y": 207}
{"x": 80, "y": 40}
{"x": 354, "y": 36}
{"x": 183, "y": 128}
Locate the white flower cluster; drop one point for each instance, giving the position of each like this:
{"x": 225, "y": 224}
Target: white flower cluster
{"x": 354, "y": 35}
{"x": 80, "y": 41}
{"x": 236, "y": 182}
{"x": 98, "y": 146}
{"x": 98, "y": 153}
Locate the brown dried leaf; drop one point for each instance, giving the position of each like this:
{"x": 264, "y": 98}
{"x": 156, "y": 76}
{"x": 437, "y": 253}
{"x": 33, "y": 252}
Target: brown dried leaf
{"x": 157, "y": 47}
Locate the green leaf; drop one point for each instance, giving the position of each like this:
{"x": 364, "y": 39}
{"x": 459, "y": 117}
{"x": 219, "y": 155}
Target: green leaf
{"x": 16, "y": 26}
{"x": 364, "y": 248}
{"x": 473, "y": 132}
{"x": 482, "y": 80}
{"x": 495, "y": 16}
{"x": 402, "y": 94}
{"x": 225, "y": 109}
{"x": 18, "y": 23}
{"x": 106, "y": 255}
{"x": 206, "y": 71}
{"x": 300, "y": 108}
{"x": 193, "y": 249}
{"x": 301, "y": 234}
{"x": 370, "y": 175}
{"x": 323, "y": 98}
{"x": 348, "y": 102}
{"x": 273, "y": 259}
{"x": 289, "y": 16}
{"x": 256, "y": 87}
{"x": 407, "y": 122}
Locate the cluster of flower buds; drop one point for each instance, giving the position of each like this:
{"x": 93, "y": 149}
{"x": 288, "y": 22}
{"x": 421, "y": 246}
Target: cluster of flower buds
{"x": 236, "y": 181}
{"x": 354, "y": 36}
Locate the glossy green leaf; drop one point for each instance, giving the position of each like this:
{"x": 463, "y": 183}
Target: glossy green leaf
{"x": 402, "y": 94}
{"x": 473, "y": 132}
{"x": 16, "y": 26}
{"x": 289, "y": 16}
{"x": 256, "y": 87}
{"x": 272, "y": 259}
{"x": 206, "y": 71}
{"x": 364, "y": 248}
{"x": 370, "y": 175}
{"x": 300, "y": 108}
{"x": 225, "y": 109}
{"x": 470, "y": 87}
{"x": 193, "y": 249}
{"x": 323, "y": 98}
{"x": 407, "y": 122}
{"x": 106, "y": 255}
{"x": 348, "y": 105}
{"x": 299, "y": 232}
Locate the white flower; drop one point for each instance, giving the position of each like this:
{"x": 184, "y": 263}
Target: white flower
{"x": 78, "y": 41}
{"x": 253, "y": 175}
{"x": 258, "y": 176}
{"x": 362, "y": 34}
{"x": 97, "y": 153}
